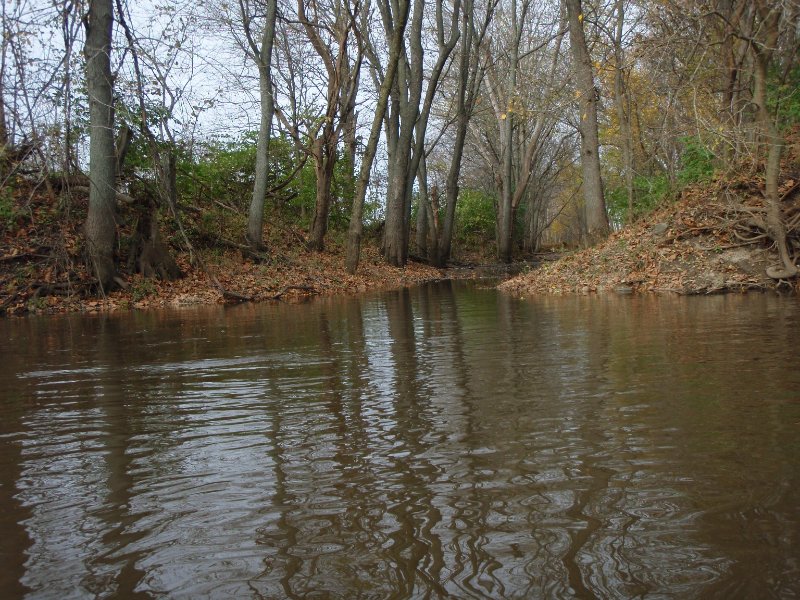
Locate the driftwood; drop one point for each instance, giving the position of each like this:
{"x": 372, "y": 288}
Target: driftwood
{"x": 302, "y": 288}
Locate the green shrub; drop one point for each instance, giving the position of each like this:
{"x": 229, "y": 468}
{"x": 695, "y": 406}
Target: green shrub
{"x": 783, "y": 99}
{"x": 475, "y": 217}
{"x": 696, "y": 164}
{"x": 9, "y": 214}
{"x": 142, "y": 288}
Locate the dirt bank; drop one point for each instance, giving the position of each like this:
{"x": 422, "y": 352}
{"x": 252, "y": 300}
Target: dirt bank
{"x": 710, "y": 240}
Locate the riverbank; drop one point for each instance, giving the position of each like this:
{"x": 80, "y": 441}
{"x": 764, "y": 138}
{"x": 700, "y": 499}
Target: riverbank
{"x": 288, "y": 275}
{"x": 712, "y": 239}
{"x": 43, "y": 268}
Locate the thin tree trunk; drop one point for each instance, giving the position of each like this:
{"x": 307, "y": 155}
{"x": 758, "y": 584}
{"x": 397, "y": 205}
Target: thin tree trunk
{"x": 263, "y": 57}
{"x": 620, "y": 100}
{"x": 594, "y": 202}
{"x": 451, "y": 192}
{"x": 505, "y": 224}
{"x": 762, "y": 55}
{"x": 3, "y": 52}
{"x": 422, "y": 209}
{"x": 470, "y": 76}
{"x": 101, "y": 222}
{"x": 323, "y": 168}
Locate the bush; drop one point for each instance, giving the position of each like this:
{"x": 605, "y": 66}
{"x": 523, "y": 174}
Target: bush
{"x": 475, "y": 217}
{"x": 225, "y": 172}
{"x": 783, "y": 99}
{"x": 696, "y": 164}
{"x": 9, "y": 213}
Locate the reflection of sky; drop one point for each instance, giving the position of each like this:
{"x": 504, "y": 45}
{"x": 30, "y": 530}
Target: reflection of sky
{"x": 63, "y": 482}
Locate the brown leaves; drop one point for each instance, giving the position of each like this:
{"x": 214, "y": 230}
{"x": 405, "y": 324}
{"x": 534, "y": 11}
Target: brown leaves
{"x": 696, "y": 253}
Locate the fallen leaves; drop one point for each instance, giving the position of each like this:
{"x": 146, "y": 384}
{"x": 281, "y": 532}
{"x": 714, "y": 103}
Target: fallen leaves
{"x": 692, "y": 246}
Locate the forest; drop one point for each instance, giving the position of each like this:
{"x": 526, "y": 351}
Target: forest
{"x": 236, "y": 142}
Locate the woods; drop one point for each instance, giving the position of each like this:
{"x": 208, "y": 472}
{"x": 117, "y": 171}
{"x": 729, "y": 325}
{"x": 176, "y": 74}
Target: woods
{"x": 441, "y": 129}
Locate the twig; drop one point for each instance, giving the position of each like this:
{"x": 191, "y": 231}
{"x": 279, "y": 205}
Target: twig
{"x": 303, "y": 288}
{"x": 226, "y": 207}
{"x": 13, "y": 257}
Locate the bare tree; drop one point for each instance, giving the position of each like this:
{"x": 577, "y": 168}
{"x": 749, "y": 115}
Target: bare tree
{"x": 341, "y": 88}
{"x": 410, "y": 121}
{"x": 395, "y": 13}
{"x": 148, "y": 251}
{"x": 763, "y": 47}
{"x": 622, "y": 104}
{"x": 260, "y": 51}
{"x": 513, "y": 138}
{"x": 471, "y": 69}
{"x": 3, "y": 62}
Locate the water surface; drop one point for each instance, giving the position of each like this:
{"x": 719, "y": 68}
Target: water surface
{"x": 443, "y": 441}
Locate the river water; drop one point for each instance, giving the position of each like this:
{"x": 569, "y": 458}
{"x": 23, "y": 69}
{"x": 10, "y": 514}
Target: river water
{"x": 442, "y": 441}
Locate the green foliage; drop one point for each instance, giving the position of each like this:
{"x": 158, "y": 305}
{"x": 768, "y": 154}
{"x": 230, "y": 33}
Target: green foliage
{"x": 141, "y": 288}
{"x": 783, "y": 98}
{"x": 475, "y": 217}
{"x": 224, "y": 174}
{"x": 302, "y": 193}
{"x": 9, "y": 213}
{"x": 223, "y": 171}
{"x": 696, "y": 164}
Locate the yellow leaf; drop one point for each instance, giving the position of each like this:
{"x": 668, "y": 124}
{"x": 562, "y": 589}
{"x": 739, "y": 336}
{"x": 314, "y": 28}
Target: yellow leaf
{"x": 580, "y": 18}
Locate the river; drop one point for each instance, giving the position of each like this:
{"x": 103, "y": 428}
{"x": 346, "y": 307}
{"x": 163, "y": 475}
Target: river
{"x": 440, "y": 441}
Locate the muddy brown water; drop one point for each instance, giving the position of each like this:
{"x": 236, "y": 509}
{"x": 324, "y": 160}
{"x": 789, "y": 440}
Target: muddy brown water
{"x": 442, "y": 441}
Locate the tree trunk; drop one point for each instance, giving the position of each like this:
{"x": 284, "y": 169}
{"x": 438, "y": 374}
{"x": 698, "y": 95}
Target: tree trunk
{"x": 414, "y": 123}
{"x": 762, "y": 55}
{"x": 349, "y": 133}
{"x": 470, "y": 76}
{"x": 452, "y": 190}
{"x": 149, "y": 254}
{"x": 3, "y": 124}
{"x": 594, "y": 203}
{"x": 356, "y": 217}
{"x": 101, "y": 222}
{"x": 255, "y": 221}
{"x": 505, "y": 225}
{"x": 3, "y": 128}
{"x": 621, "y": 102}
{"x": 409, "y": 84}
{"x": 323, "y": 168}
{"x": 422, "y": 209}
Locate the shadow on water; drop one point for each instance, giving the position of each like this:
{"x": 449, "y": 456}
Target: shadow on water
{"x": 439, "y": 441}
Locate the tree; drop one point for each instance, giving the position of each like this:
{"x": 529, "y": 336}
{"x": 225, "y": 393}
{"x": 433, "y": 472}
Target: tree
{"x": 471, "y": 70}
{"x": 763, "y": 47}
{"x": 513, "y": 139}
{"x": 622, "y": 104}
{"x": 409, "y": 121}
{"x": 261, "y": 53}
{"x": 594, "y": 202}
{"x": 101, "y": 220}
{"x": 395, "y": 21}
{"x": 341, "y": 88}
